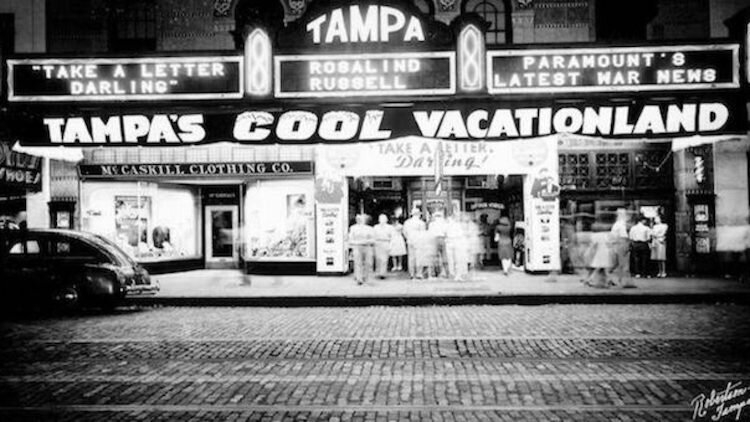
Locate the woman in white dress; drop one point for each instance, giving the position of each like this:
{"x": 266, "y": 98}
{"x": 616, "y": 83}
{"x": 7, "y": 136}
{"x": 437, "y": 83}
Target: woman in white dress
{"x": 659, "y": 245}
{"x": 397, "y": 247}
{"x": 600, "y": 252}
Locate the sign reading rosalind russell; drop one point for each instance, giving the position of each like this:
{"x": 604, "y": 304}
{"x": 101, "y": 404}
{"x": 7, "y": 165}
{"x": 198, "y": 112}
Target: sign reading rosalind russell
{"x": 118, "y": 79}
{"x": 243, "y": 169}
{"x": 606, "y": 69}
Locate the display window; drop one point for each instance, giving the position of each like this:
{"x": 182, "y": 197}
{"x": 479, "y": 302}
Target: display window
{"x": 150, "y": 221}
{"x": 279, "y": 220}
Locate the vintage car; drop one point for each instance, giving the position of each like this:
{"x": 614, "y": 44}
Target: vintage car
{"x": 66, "y": 269}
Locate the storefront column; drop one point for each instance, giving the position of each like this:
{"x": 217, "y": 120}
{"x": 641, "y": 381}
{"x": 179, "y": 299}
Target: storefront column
{"x": 37, "y": 209}
{"x": 732, "y": 210}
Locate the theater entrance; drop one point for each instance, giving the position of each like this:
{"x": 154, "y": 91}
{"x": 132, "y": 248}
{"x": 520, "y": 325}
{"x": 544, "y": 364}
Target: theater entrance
{"x": 513, "y": 182}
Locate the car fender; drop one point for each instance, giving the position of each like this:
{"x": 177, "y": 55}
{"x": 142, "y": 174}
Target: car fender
{"x": 100, "y": 282}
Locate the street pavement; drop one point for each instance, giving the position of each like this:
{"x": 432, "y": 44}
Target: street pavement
{"x": 213, "y": 287}
{"x": 432, "y": 363}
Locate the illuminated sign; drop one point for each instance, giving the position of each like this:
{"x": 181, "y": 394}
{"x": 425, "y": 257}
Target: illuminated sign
{"x": 471, "y": 58}
{"x": 19, "y": 170}
{"x": 606, "y": 69}
{"x": 355, "y": 24}
{"x": 351, "y": 27}
{"x": 122, "y": 79}
{"x": 470, "y": 121}
{"x": 258, "y": 63}
{"x": 241, "y": 169}
{"x": 386, "y": 74}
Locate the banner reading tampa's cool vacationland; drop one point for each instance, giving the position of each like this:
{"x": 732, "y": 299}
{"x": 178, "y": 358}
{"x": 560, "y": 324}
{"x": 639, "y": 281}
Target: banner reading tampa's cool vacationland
{"x": 364, "y": 123}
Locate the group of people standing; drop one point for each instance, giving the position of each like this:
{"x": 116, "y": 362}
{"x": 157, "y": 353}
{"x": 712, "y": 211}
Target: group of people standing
{"x": 611, "y": 252}
{"x": 443, "y": 247}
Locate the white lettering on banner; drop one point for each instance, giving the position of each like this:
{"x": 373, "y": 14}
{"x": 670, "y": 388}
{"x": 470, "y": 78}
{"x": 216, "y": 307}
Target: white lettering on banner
{"x": 129, "y": 129}
{"x": 706, "y": 117}
{"x": 371, "y": 126}
{"x": 296, "y": 125}
{"x": 338, "y": 125}
{"x": 248, "y": 126}
{"x": 302, "y": 125}
{"x": 378, "y": 24}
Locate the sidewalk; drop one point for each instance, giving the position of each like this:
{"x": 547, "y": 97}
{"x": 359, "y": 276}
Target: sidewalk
{"x": 233, "y": 288}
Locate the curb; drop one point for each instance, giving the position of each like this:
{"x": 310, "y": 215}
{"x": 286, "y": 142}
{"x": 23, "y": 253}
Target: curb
{"x": 359, "y": 301}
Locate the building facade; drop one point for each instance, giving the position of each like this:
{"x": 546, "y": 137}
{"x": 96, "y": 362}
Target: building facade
{"x": 239, "y": 204}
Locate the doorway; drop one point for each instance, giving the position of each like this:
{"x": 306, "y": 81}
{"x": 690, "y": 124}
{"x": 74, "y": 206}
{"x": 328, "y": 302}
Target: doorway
{"x": 221, "y": 234}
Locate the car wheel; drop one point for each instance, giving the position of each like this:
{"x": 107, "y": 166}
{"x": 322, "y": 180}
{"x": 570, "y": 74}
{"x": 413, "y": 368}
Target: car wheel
{"x": 67, "y": 298}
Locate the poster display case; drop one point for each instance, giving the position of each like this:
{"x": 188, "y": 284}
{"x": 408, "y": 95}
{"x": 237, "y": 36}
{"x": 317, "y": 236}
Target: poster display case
{"x": 280, "y": 220}
{"x": 150, "y": 221}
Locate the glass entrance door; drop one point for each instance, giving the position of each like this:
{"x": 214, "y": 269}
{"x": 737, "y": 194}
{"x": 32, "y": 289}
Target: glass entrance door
{"x": 221, "y": 236}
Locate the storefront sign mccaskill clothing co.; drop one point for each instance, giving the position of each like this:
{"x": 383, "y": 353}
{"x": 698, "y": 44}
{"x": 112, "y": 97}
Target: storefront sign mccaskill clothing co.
{"x": 364, "y": 123}
{"x": 19, "y": 170}
{"x": 246, "y": 169}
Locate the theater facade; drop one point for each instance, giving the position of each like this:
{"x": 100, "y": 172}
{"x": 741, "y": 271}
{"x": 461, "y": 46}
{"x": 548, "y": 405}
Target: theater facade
{"x": 259, "y": 159}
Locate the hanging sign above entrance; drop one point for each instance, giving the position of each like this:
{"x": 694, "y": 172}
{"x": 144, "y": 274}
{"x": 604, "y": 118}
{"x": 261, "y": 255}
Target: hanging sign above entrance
{"x": 120, "y": 79}
{"x": 607, "y": 69}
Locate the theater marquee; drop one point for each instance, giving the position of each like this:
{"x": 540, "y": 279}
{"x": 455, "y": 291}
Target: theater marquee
{"x": 364, "y": 50}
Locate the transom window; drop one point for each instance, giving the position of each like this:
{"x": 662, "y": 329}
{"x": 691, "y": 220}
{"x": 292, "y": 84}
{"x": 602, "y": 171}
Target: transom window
{"x": 133, "y": 25}
{"x": 497, "y": 14}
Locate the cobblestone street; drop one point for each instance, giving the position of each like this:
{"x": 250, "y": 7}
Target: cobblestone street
{"x": 472, "y": 363}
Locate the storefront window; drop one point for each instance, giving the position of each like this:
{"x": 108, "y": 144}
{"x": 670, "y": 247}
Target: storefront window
{"x": 150, "y": 221}
{"x": 279, "y": 220}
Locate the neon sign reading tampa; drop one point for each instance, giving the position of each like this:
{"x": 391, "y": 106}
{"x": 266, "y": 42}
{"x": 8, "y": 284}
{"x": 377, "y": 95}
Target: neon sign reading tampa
{"x": 366, "y": 74}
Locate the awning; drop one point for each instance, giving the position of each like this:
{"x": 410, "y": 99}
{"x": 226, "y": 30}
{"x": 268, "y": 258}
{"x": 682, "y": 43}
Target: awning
{"x": 71, "y": 154}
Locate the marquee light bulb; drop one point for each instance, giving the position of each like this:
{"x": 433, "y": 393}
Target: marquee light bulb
{"x": 258, "y": 63}
{"x": 471, "y": 57}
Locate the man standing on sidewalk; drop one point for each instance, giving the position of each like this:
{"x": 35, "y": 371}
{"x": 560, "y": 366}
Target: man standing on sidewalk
{"x": 411, "y": 226}
{"x": 621, "y": 246}
{"x": 640, "y": 235}
{"x": 361, "y": 240}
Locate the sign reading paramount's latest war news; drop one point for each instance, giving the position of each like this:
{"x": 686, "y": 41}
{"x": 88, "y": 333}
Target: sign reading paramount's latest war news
{"x": 118, "y": 79}
{"x": 605, "y": 69}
